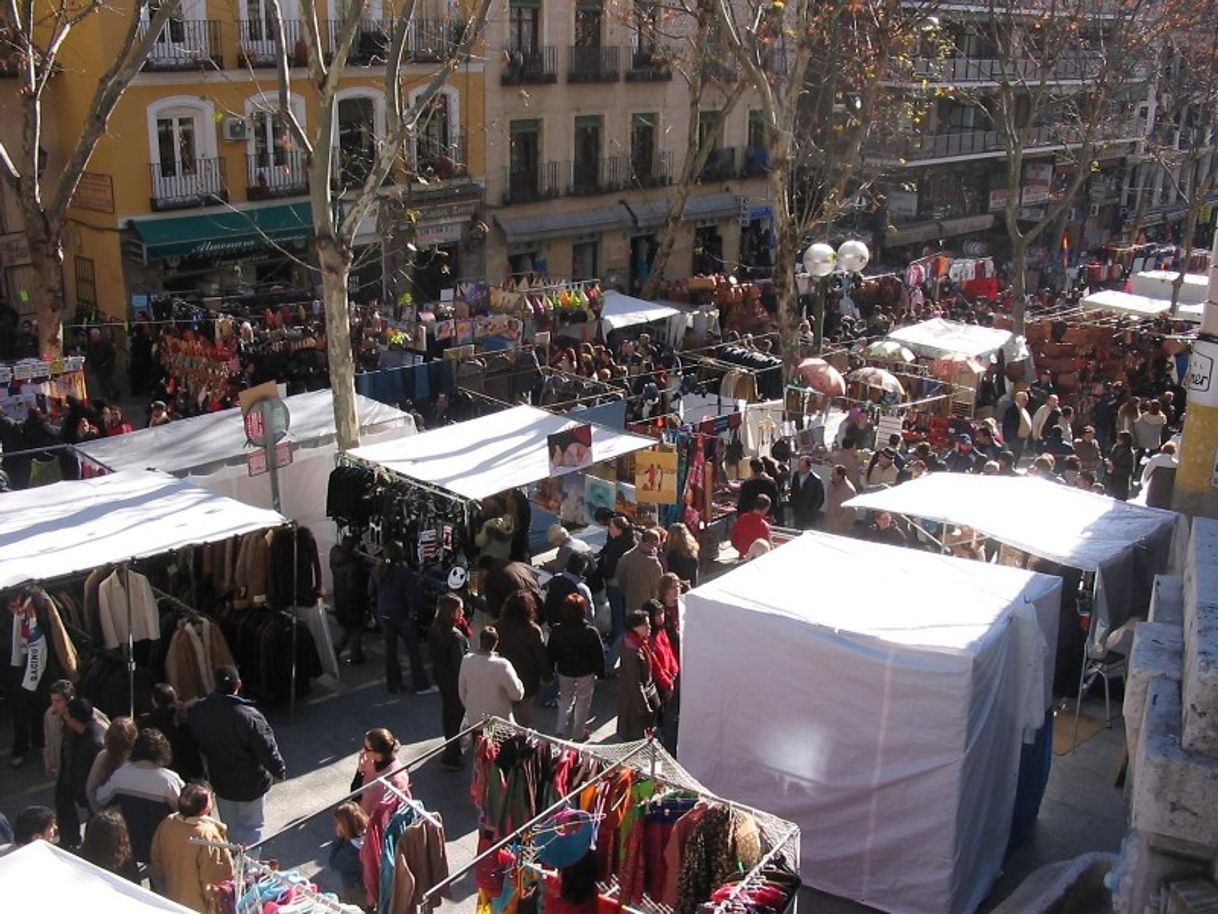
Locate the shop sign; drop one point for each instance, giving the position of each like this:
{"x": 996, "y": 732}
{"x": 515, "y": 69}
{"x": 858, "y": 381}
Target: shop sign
{"x": 1202, "y": 388}
{"x": 429, "y": 235}
{"x": 967, "y": 224}
{"x": 999, "y": 197}
{"x": 903, "y": 203}
{"x": 761, "y": 212}
{"x": 1031, "y": 213}
{"x": 268, "y": 422}
{"x": 94, "y": 192}
{"x": 1037, "y": 185}
{"x": 655, "y": 477}
{"x": 257, "y": 462}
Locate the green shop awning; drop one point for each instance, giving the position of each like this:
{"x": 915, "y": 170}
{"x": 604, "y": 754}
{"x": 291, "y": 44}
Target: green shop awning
{"x": 219, "y": 235}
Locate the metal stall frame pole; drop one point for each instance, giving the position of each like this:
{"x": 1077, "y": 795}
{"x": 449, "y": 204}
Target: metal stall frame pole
{"x": 130, "y": 641}
{"x": 406, "y": 766}
{"x": 611, "y": 768}
{"x": 295, "y": 531}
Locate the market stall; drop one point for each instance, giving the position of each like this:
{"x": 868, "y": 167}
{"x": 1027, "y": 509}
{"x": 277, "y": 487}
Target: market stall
{"x": 45, "y": 383}
{"x": 1158, "y": 284}
{"x": 620, "y": 310}
{"x": 939, "y": 337}
{"x": 1142, "y": 306}
{"x": 108, "y": 550}
{"x": 212, "y": 450}
{"x": 1124, "y": 545}
{"x": 898, "y": 690}
{"x": 43, "y": 877}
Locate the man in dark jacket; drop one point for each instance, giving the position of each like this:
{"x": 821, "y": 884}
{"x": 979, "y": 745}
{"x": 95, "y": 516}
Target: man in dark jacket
{"x": 502, "y": 579}
{"x": 87, "y": 738}
{"x": 578, "y": 655}
{"x": 169, "y": 716}
{"x": 760, "y": 483}
{"x": 807, "y": 496}
{"x": 242, "y": 756}
{"x": 350, "y": 577}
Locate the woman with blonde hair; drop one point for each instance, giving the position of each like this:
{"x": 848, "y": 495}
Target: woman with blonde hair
{"x": 681, "y": 557}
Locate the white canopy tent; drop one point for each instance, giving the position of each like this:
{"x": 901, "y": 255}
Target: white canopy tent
{"x": 939, "y": 337}
{"x": 211, "y": 450}
{"x": 1093, "y": 533}
{"x": 43, "y": 877}
{"x": 621, "y": 310}
{"x": 74, "y": 526}
{"x": 490, "y": 454}
{"x": 898, "y": 686}
{"x": 1157, "y": 284}
{"x": 1139, "y": 305}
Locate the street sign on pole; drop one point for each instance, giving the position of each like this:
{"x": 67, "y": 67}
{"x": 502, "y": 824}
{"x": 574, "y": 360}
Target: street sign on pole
{"x": 268, "y": 423}
{"x": 256, "y": 461}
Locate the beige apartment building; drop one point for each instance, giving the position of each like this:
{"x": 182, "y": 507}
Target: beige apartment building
{"x": 586, "y": 131}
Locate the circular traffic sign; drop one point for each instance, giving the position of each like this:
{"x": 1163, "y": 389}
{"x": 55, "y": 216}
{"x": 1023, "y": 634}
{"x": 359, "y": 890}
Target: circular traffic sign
{"x": 268, "y": 419}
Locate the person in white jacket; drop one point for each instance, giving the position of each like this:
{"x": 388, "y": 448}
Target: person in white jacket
{"x": 488, "y": 683}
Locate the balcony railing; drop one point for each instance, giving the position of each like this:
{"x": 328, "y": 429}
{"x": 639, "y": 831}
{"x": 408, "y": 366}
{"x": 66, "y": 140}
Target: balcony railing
{"x": 536, "y": 66}
{"x": 427, "y": 40}
{"x": 258, "y": 43}
{"x": 647, "y": 171}
{"x": 720, "y": 71}
{"x": 433, "y": 40}
{"x": 442, "y": 161}
{"x": 594, "y": 176}
{"x": 721, "y": 166}
{"x": 648, "y": 65}
{"x": 594, "y": 65}
{"x": 277, "y": 173}
{"x": 350, "y": 167}
{"x": 186, "y": 44}
{"x": 991, "y": 142}
{"x": 992, "y": 70}
{"x": 193, "y": 182}
{"x": 539, "y": 182}
{"x": 756, "y": 162}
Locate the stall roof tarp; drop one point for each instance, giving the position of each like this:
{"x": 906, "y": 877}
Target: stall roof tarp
{"x": 42, "y": 877}
{"x": 889, "y": 722}
{"x": 1139, "y": 305}
{"x": 624, "y": 311}
{"x": 214, "y": 439}
{"x": 73, "y": 526}
{"x": 939, "y": 337}
{"x": 1059, "y": 523}
{"x": 1157, "y": 284}
{"x": 492, "y": 453}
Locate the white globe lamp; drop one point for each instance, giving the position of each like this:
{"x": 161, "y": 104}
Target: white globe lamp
{"x": 819, "y": 259}
{"x": 852, "y": 256}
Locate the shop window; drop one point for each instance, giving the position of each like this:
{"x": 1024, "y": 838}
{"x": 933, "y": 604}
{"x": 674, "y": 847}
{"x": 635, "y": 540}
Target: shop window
{"x": 86, "y": 283}
{"x": 583, "y": 261}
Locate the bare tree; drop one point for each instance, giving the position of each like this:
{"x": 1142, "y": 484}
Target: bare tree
{"x": 338, "y": 199}
{"x": 35, "y": 37}
{"x": 1066, "y": 75}
{"x": 817, "y": 68}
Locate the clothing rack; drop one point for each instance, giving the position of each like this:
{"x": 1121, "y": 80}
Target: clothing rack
{"x": 413, "y": 804}
{"x": 389, "y": 476}
{"x": 243, "y": 861}
{"x": 753, "y": 875}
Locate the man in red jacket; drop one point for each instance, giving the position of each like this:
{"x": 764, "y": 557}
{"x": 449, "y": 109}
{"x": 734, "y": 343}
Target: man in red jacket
{"x": 752, "y": 526}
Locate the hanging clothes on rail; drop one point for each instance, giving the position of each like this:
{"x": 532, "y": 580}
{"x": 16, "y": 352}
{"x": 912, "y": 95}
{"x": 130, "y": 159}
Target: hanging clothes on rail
{"x": 113, "y": 612}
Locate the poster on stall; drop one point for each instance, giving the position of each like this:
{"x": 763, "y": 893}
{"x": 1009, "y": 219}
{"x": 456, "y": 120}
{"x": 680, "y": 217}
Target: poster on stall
{"x": 570, "y": 449}
{"x": 624, "y": 500}
{"x": 655, "y": 477}
{"x": 599, "y": 495}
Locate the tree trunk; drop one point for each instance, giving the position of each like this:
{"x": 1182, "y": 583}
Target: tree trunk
{"x": 1186, "y": 246}
{"x": 1019, "y": 301}
{"x": 335, "y": 263}
{"x": 46, "y": 256}
{"x": 786, "y": 248}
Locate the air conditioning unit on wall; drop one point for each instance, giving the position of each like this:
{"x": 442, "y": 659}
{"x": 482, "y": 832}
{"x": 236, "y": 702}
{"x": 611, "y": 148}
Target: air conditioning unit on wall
{"x": 236, "y": 129}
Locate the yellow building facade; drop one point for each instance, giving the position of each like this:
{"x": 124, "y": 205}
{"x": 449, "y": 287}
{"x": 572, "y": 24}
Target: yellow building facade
{"x": 198, "y": 191}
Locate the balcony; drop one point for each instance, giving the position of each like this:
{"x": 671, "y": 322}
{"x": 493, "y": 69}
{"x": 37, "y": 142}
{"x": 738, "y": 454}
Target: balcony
{"x": 276, "y": 174}
{"x": 350, "y": 167}
{"x": 595, "y": 176}
{"x": 258, "y": 49}
{"x": 189, "y": 183}
{"x": 594, "y": 65}
{"x": 534, "y": 67}
{"x": 440, "y": 161}
{"x": 186, "y": 44}
{"x": 646, "y": 171}
{"x": 721, "y": 166}
{"x": 991, "y": 143}
{"x": 721, "y": 71}
{"x": 539, "y": 182}
{"x": 972, "y": 70}
{"x": 756, "y": 162}
{"x": 648, "y": 65}
{"x": 433, "y": 40}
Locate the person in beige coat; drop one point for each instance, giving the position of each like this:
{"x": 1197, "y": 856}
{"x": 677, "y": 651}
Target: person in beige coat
{"x": 839, "y": 519}
{"x": 487, "y": 683}
{"x": 185, "y": 872}
{"x": 639, "y": 571}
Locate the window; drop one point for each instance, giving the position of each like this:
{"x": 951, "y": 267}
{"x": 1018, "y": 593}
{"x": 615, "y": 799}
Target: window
{"x": 966, "y": 117}
{"x": 182, "y": 141}
{"x": 86, "y": 285}
{"x": 176, "y": 147}
{"x": 644, "y": 130}
{"x": 357, "y": 126}
{"x": 710, "y": 129}
{"x": 588, "y": 17}
{"x": 438, "y": 142}
{"x": 524, "y": 160}
{"x": 645, "y": 25}
{"x": 524, "y": 25}
{"x": 583, "y": 260}
{"x": 758, "y": 152}
{"x": 586, "y": 169}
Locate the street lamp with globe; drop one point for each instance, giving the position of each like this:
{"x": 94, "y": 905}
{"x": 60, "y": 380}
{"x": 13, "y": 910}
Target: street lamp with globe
{"x": 820, "y": 261}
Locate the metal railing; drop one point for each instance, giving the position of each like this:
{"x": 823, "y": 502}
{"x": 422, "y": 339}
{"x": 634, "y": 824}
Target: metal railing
{"x": 721, "y": 165}
{"x": 276, "y": 173}
{"x": 593, "y": 64}
{"x": 648, "y": 65}
{"x": 986, "y": 142}
{"x": 756, "y": 162}
{"x": 988, "y": 69}
{"x": 350, "y": 166}
{"x": 539, "y": 182}
{"x": 185, "y": 44}
{"x": 534, "y": 66}
{"x": 647, "y": 171}
{"x": 258, "y": 48}
{"x": 433, "y": 40}
{"x": 720, "y": 70}
{"x": 194, "y": 182}
{"x": 593, "y": 176}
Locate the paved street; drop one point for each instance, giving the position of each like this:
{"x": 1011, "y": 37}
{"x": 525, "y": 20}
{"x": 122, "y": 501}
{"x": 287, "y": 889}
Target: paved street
{"x": 1082, "y": 811}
